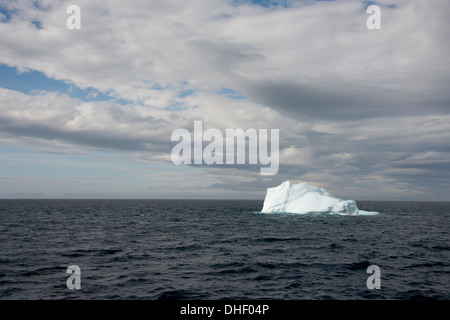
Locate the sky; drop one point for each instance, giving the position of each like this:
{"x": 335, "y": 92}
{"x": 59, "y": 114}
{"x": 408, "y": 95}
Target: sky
{"x": 89, "y": 112}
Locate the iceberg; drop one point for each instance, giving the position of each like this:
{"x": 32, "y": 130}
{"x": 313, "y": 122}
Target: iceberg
{"x": 303, "y": 198}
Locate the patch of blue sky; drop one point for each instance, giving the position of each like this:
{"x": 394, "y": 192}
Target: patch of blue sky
{"x": 37, "y": 24}
{"x": 25, "y": 162}
{"x": 276, "y": 3}
{"x": 265, "y": 3}
{"x": 232, "y": 94}
{"x": 8, "y": 12}
{"x": 369, "y": 3}
{"x": 21, "y": 162}
{"x": 185, "y": 93}
{"x": 5, "y": 14}
{"x": 41, "y": 6}
{"x": 32, "y": 80}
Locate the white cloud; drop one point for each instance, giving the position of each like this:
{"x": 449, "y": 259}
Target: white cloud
{"x": 131, "y": 47}
{"x": 351, "y": 104}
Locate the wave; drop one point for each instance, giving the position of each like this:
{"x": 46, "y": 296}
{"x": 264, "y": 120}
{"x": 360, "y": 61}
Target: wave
{"x": 360, "y": 213}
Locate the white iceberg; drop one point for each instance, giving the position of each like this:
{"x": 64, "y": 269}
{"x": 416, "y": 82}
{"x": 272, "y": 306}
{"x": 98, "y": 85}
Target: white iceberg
{"x": 303, "y": 198}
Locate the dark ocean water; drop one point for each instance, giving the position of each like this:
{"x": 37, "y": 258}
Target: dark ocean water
{"x": 186, "y": 249}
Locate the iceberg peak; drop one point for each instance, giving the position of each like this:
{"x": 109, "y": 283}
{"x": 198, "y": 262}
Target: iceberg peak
{"x": 305, "y": 198}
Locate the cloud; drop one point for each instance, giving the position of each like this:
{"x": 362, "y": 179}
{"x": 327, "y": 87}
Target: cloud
{"x": 129, "y": 49}
{"x": 354, "y": 107}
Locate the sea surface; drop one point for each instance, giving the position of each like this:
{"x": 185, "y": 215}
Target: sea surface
{"x": 226, "y": 249}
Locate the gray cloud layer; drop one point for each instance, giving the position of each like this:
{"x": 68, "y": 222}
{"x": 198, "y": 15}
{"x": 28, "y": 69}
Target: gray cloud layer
{"x": 365, "y": 110}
